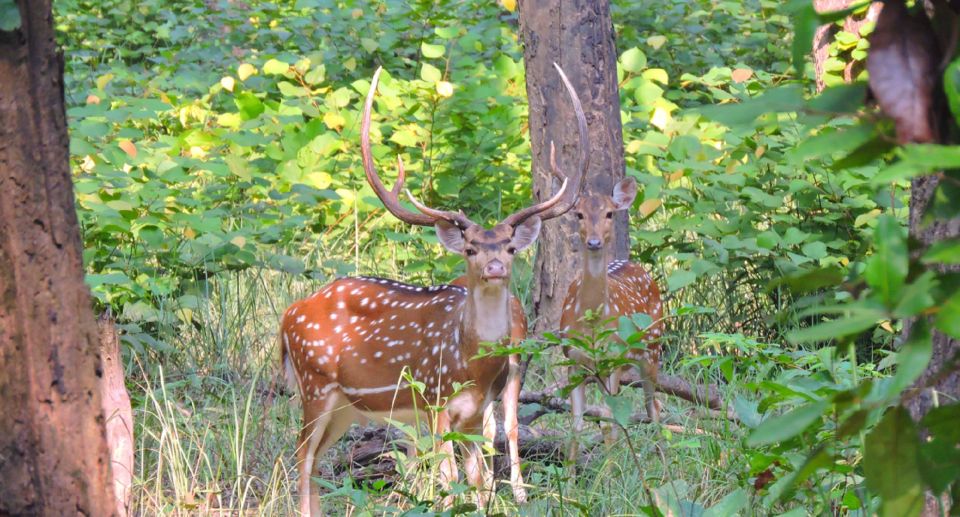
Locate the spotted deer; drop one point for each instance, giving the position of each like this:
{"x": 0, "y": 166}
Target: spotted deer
{"x": 347, "y": 347}
{"x": 611, "y": 289}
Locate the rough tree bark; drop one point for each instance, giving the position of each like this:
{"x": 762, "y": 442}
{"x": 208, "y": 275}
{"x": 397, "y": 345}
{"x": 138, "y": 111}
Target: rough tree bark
{"x": 53, "y": 450}
{"x": 117, "y": 411}
{"x": 578, "y": 35}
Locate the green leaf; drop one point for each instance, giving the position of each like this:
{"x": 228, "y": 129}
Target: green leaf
{"x": 680, "y": 279}
{"x": 786, "y": 426}
{"x": 844, "y": 98}
{"x": 832, "y": 141}
{"x": 836, "y": 329}
{"x": 943, "y": 252}
{"x": 948, "y": 319}
{"x": 430, "y": 73}
{"x": 621, "y": 407}
{"x": 431, "y": 51}
{"x": 633, "y": 60}
{"x": 9, "y": 15}
{"x": 890, "y": 464}
{"x": 951, "y": 87}
{"x": 886, "y": 270}
{"x": 249, "y": 105}
{"x": 729, "y": 505}
{"x": 787, "y": 98}
{"x": 805, "y": 23}
{"x": 275, "y": 67}
{"x": 913, "y": 357}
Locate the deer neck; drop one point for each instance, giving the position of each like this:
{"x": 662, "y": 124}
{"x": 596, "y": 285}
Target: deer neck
{"x": 593, "y": 285}
{"x": 486, "y": 314}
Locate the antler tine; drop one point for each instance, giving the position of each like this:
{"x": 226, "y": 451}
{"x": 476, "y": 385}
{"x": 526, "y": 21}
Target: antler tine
{"x": 458, "y": 218}
{"x": 553, "y": 206}
{"x": 389, "y": 198}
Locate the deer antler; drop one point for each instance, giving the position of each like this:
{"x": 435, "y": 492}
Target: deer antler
{"x": 564, "y": 199}
{"x": 390, "y": 198}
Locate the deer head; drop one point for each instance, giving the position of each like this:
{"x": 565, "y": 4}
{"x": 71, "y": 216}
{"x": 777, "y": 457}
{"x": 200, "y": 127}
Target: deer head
{"x": 595, "y": 213}
{"x": 489, "y": 252}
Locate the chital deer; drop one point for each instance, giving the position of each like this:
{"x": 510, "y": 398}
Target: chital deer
{"x": 610, "y": 289}
{"x": 347, "y": 346}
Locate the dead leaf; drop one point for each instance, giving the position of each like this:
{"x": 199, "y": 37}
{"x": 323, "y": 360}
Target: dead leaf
{"x": 740, "y": 75}
{"x": 93, "y": 99}
{"x": 902, "y": 66}
{"x": 649, "y": 206}
{"x": 128, "y": 148}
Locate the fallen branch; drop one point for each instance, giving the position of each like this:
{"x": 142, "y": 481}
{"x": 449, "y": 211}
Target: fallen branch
{"x": 708, "y": 396}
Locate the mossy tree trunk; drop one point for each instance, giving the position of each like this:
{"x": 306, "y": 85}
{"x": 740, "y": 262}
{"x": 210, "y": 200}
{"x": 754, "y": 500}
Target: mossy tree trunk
{"x": 578, "y": 35}
{"x": 53, "y": 450}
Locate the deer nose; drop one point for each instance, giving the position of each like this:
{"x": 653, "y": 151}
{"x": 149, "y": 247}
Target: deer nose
{"x": 594, "y": 244}
{"x": 494, "y": 269}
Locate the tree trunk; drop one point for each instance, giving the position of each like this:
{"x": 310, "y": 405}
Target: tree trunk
{"x": 53, "y": 451}
{"x": 577, "y": 35}
{"x": 117, "y": 411}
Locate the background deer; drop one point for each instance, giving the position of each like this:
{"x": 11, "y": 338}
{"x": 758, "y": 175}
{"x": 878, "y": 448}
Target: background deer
{"x": 611, "y": 289}
{"x": 347, "y": 346}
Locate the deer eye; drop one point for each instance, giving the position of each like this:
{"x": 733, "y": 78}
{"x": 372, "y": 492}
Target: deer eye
{"x": 470, "y": 252}
{"x": 511, "y": 250}
{"x": 579, "y": 216}
{"x": 609, "y": 215}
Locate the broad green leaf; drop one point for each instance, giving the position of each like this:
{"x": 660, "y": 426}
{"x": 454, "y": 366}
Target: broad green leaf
{"x": 913, "y": 357}
{"x": 633, "y": 60}
{"x": 832, "y": 141}
{"x": 9, "y": 15}
{"x": 943, "y": 252}
{"x": 835, "y": 329}
{"x": 430, "y": 51}
{"x": 680, "y": 279}
{"x": 951, "y": 87}
{"x": 729, "y": 505}
{"x": 886, "y": 270}
{"x": 275, "y": 67}
{"x": 948, "y": 319}
{"x": 891, "y": 466}
{"x": 787, "y": 98}
{"x": 786, "y": 426}
{"x": 620, "y": 407}
{"x": 844, "y": 98}
{"x": 430, "y": 73}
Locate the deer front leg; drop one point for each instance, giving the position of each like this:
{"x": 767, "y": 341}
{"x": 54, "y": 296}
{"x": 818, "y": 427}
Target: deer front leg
{"x": 479, "y": 473}
{"x": 511, "y": 427}
{"x": 448, "y": 465}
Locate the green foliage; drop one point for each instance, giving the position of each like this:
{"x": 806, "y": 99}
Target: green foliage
{"x": 216, "y": 164}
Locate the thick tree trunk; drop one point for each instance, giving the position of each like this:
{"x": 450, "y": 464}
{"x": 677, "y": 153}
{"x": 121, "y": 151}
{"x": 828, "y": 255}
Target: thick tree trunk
{"x": 53, "y": 451}
{"x": 577, "y": 35}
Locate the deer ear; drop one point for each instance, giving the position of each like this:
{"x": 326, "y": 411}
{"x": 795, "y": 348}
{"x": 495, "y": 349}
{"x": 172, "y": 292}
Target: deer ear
{"x": 450, "y": 236}
{"x": 525, "y": 233}
{"x": 624, "y": 193}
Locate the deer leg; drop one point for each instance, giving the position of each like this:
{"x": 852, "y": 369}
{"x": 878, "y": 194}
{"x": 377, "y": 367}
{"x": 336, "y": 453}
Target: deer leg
{"x": 649, "y": 379}
{"x": 448, "y": 464}
{"x": 511, "y": 402}
{"x": 317, "y": 412}
{"x": 610, "y": 431}
{"x": 577, "y": 403}
{"x": 478, "y": 471}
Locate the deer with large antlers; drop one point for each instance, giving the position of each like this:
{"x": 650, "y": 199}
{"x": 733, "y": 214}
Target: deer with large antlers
{"x": 347, "y": 347}
{"x": 610, "y": 289}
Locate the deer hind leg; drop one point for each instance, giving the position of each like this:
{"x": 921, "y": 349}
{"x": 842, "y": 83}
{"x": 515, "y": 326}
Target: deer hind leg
{"x": 648, "y": 370}
{"x": 318, "y": 411}
{"x": 610, "y": 431}
{"x": 511, "y": 427}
